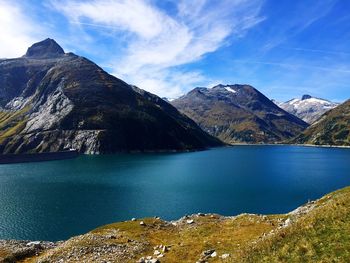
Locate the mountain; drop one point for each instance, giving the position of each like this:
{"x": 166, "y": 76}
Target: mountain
{"x": 333, "y": 128}
{"x": 51, "y": 100}
{"x": 308, "y": 108}
{"x": 239, "y": 114}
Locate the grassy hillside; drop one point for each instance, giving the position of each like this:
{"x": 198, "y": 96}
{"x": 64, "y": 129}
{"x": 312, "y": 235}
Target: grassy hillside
{"x": 333, "y": 128}
{"x": 315, "y": 232}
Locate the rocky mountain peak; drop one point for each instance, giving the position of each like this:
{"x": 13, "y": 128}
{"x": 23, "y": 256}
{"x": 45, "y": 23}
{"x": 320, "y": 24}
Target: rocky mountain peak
{"x": 47, "y": 48}
{"x": 305, "y": 97}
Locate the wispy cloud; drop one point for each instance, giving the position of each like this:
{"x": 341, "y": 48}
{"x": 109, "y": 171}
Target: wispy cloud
{"x": 305, "y": 14}
{"x": 332, "y": 52}
{"x": 17, "y": 30}
{"x": 157, "y": 42}
{"x": 294, "y": 66}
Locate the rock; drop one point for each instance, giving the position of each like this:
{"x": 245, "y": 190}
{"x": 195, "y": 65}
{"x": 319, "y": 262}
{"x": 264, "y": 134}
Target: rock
{"x": 33, "y": 243}
{"x": 287, "y": 222}
{"x": 208, "y": 252}
{"x": 214, "y": 254}
{"x": 142, "y": 223}
{"x": 189, "y": 221}
{"x": 133, "y": 219}
{"x": 165, "y": 249}
{"x": 156, "y": 252}
{"x": 224, "y": 256}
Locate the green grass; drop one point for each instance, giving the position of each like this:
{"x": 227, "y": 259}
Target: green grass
{"x": 12, "y": 123}
{"x": 319, "y": 235}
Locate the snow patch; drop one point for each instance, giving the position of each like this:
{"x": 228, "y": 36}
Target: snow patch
{"x": 230, "y": 89}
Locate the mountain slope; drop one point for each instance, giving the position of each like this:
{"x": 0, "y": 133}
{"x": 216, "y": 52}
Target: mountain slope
{"x": 51, "y": 100}
{"x": 308, "y": 108}
{"x": 239, "y": 113}
{"x": 333, "y": 128}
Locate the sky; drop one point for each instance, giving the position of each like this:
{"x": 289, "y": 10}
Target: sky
{"x": 284, "y": 48}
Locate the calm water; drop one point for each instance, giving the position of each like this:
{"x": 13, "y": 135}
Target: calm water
{"x": 55, "y": 200}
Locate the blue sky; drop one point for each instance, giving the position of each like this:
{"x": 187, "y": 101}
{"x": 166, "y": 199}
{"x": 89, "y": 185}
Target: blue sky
{"x": 284, "y": 48}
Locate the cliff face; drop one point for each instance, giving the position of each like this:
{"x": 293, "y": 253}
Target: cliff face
{"x": 239, "y": 114}
{"x": 51, "y": 100}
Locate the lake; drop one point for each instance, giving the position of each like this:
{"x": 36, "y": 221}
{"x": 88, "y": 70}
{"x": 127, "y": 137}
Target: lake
{"x": 58, "y": 199}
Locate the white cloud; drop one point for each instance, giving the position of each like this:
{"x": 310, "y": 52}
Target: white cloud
{"x": 17, "y": 30}
{"x": 158, "y": 42}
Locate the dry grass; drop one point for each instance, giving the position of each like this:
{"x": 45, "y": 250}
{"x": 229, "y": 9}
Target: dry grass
{"x": 12, "y": 123}
{"x": 319, "y": 233}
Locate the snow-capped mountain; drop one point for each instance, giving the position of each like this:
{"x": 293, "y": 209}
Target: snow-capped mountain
{"x": 307, "y": 108}
{"x": 239, "y": 114}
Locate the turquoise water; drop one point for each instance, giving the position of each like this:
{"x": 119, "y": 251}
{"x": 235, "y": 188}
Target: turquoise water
{"x": 58, "y": 199}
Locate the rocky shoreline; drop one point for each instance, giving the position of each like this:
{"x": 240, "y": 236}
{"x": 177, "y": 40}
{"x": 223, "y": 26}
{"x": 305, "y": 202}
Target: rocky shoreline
{"x": 131, "y": 241}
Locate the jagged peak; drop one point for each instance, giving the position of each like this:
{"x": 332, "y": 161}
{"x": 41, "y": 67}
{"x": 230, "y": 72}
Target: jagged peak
{"x": 47, "y": 48}
{"x": 306, "y": 96}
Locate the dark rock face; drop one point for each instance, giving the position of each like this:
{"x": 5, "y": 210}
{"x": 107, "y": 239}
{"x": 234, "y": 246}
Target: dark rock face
{"x": 47, "y": 48}
{"x": 333, "y": 128}
{"x": 63, "y": 101}
{"x": 239, "y": 114}
{"x": 305, "y": 97}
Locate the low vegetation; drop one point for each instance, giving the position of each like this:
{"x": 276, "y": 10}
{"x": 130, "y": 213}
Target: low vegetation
{"x": 12, "y": 122}
{"x": 333, "y": 128}
{"x": 315, "y": 232}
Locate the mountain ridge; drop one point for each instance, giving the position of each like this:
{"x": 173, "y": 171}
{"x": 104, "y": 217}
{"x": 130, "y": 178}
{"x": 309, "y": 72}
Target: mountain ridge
{"x": 308, "y": 108}
{"x": 239, "y": 114}
{"x": 332, "y": 128}
{"x": 51, "y": 101}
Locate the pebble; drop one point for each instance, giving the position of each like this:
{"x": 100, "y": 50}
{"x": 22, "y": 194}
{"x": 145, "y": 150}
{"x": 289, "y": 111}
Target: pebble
{"x": 223, "y": 256}
{"x": 33, "y": 243}
{"x": 189, "y": 221}
{"x": 142, "y": 223}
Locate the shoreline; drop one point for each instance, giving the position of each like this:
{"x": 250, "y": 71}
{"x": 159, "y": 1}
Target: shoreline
{"x": 37, "y": 157}
{"x": 287, "y": 144}
{"x": 225, "y": 237}
{"x": 63, "y": 155}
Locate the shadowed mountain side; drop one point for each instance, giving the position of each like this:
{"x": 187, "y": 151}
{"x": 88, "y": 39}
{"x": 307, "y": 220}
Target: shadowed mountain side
{"x": 50, "y": 101}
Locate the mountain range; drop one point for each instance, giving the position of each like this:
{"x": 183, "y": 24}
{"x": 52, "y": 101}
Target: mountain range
{"x": 239, "y": 114}
{"x": 51, "y": 100}
{"x": 307, "y": 108}
{"x": 333, "y": 128}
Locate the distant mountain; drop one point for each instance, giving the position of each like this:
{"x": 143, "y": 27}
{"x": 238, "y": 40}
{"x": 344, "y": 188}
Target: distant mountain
{"x": 239, "y": 114}
{"x": 51, "y": 100}
{"x": 308, "y": 108}
{"x": 333, "y": 128}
